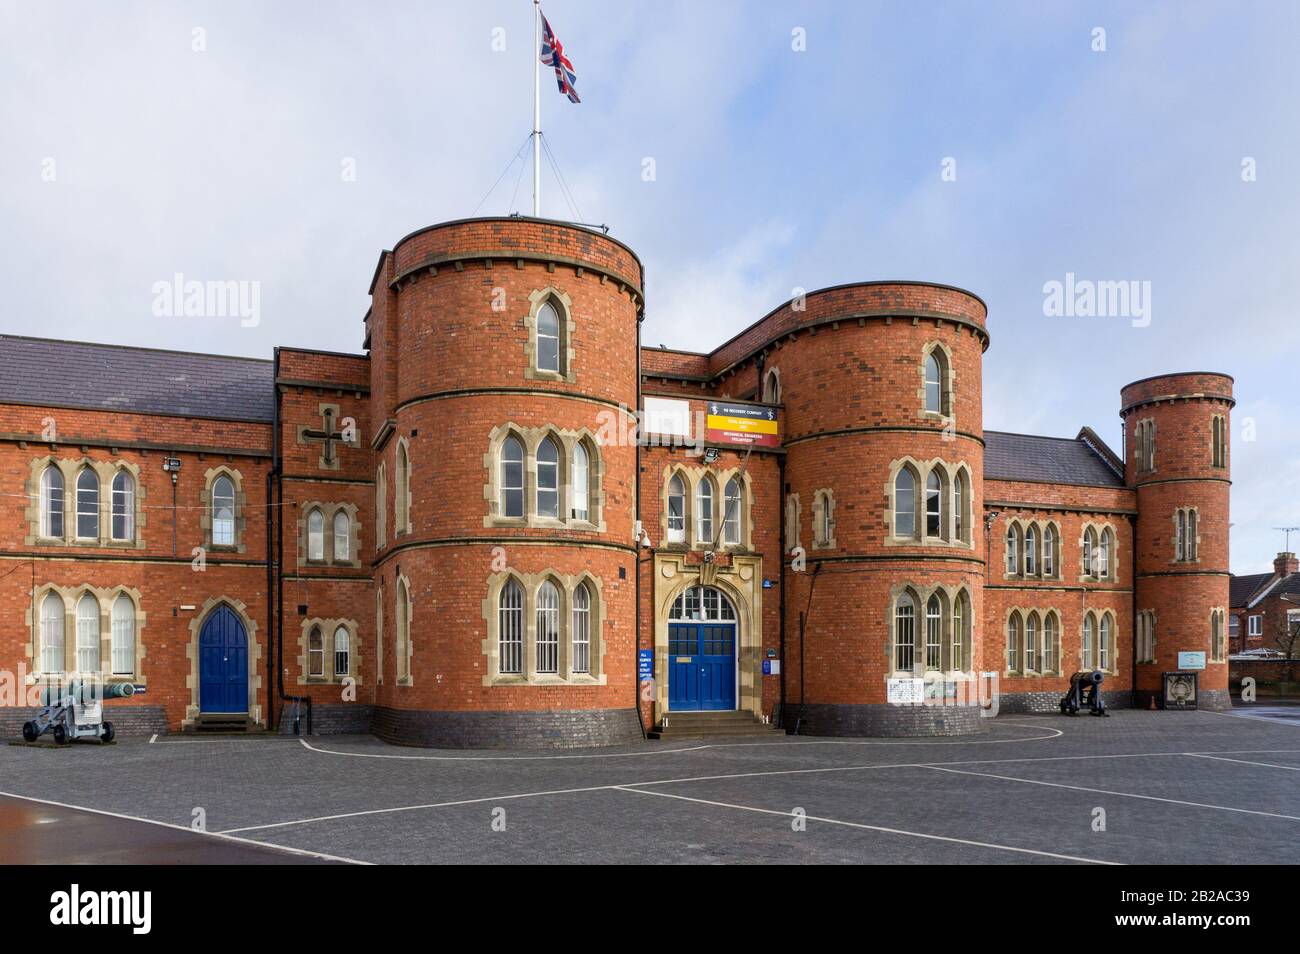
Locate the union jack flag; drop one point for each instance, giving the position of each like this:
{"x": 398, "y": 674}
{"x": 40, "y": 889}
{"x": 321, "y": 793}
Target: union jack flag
{"x": 553, "y": 55}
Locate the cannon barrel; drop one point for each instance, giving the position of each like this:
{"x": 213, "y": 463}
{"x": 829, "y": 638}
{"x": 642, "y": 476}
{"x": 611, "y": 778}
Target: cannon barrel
{"x": 1092, "y": 677}
{"x": 86, "y": 692}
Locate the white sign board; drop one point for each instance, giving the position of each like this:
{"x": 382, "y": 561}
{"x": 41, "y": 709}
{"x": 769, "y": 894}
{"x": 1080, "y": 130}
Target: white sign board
{"x": 666, "y": 416}
{"x": 906, "y": 691}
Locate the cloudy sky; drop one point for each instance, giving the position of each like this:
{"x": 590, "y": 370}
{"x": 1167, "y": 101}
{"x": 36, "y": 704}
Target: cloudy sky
{"x": 286, "y": 143}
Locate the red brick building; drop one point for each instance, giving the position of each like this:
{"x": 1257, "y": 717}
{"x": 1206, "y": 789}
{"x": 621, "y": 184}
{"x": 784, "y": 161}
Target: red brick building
{"x": 1264, "y": 607}
{"x": 462, "y": 536}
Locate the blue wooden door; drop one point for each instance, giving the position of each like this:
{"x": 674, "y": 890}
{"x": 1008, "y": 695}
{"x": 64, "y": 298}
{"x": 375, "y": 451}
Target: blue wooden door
{"x": 701, "y": 667}
{"x": 223, "y": 663}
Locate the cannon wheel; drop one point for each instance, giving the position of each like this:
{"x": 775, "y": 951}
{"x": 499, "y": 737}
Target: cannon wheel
{"x": 108, "y": 733}
{"x": 29, "y": 732}
{"x": 60, "y": 734}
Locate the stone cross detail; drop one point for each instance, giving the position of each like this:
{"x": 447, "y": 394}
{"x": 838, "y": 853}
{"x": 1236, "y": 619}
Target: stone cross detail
{"x": 327, "y": 435}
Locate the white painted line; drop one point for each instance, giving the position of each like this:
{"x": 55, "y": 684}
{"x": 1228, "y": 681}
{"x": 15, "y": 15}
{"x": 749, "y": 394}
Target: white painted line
{"x": 1103, "y": 791}
{"x": 1202, "y": 755}
{"x": 210, "y": 834}
{"x": 880, "y": 828}
{"x": 153, "y": 738}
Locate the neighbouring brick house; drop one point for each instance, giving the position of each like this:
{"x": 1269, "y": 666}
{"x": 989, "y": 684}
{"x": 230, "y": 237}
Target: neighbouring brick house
{"x": 459, "y": 536}
{"x": 1264, "y": 605}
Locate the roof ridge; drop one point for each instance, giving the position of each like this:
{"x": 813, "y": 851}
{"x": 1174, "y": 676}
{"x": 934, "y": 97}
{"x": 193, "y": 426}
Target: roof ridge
{"x": 139, "y": 348}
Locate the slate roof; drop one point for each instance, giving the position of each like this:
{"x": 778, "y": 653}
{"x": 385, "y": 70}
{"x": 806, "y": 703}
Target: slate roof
{"x": 52, "y": 373}
{"x": 1242, "y": 588}
{"x": 1059, "y": 460}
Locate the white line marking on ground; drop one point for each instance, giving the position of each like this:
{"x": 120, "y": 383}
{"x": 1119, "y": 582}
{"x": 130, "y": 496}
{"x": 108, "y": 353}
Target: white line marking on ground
{"x": 210, "y": 834}
{"x": 1103, "y": 791}
{"x": 1202, "y": 755}
{"x": 880, "y": 828}
{"x": 702, "y": 778}
{"x": 153, "y": 738}
{"x": 801, "y": 741}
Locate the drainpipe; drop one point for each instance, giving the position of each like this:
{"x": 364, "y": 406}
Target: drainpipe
{"x": 780, "y": 465}
{"x": 277, "y": 476}
{"x": 636, "y": 543}
{"x": 803, "y": 640}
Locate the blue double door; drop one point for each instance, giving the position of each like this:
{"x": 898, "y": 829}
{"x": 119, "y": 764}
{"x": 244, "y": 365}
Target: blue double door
{"x": 223, "y": 663}
{"x": 701, "y": 666}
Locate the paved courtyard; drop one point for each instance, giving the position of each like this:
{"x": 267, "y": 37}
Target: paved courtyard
{"x": 1193, "y": 787}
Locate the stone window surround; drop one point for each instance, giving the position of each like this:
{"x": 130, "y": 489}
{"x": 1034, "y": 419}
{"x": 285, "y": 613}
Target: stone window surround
{"x": 921, "y": 472}
{"x": 1144, "y": 445}
{"x": 402, "y": 590}
{"x": 1097, "y": 617}
{"x": 947, "y": 382}
{"x": 401, "y": 488}
{"x": 105, "y": 597}
{"x": 766, "y": 394}
{"x": 1219, "y": 427}
{"x": 327, "y": 628}
{"x": 328, "y": 512}
{"x": 1195, "y": 514}
{"x": 823, "y": 506}
{"x": 566, "y": 584}
{"x": 1022, "y": 526}
{"x": 920, "y": 599}
{"x": 256, "y": 665}
{"x": 1099, "y": 529}
{"x": 70, "y": 468}
{"x": 563, "y": 304}
{"x": 241, "y": 508}
{"x": 1023, "y": 612}
{"x": 720, "y": 477}
{"x": 793, "y": 512}
{"x": 1218, "y": 635}
{"x": 531, "y": 438}
{"x": 1146, "y": 623}
{"x": 379, "y": 633}
{"x": 381, "y": 505}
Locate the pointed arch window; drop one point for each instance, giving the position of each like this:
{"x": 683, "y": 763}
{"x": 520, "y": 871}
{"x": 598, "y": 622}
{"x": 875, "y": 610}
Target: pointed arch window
{"x": 223, "y": 512}
{"x": 1013, "y": 550}
{"x": 1013, "y": 643}
{"x": 933, "y": 634}
{"x": 52, "y": 503}
{"x": 381, "y": 505}
{"x": 403, "y": 610}
{"x": 1031, "y": 643}
{"x": 959, "y": 508}
{"x": 510, "y": 629}
{"x": 52, "y": 631}
{"x": 87, "y": 634}
{"x": 123, "y": 527}
{"x": 1089, "y": 642}
{"x": 704, "y": 511}
{"x": 342, "y": 536}
{"x": 933, "y": 504}
{"x": 548, "y": 628}
{"x": 905, "y": 503}
{"x": 582, "y": 629}
{"x": 123, "y": 636}
{"x": 402, "y": 491}
{"x": 731, "y": 512}
{"x": 512, "y": 477}
{"x": 935, "y": 387}
{"x": 548, "y": 479}
{"x": 315, "y": 653}
{"x": 87, "y": 504}
{"x": 772, "y": 386}
{"x": 315, "y": 535}
{"x": 342, "y": 651}
{"x": 548, "y": 338}
{"x": 904, "y": 634}
{"x": 1050, "y": 649}
{"x": 957, "y": 657}
{"x": 579, "y": 509}
{"x": 1090, "y": 556}
{"x": 676, "y": 510}
{"x": 1105, "y": 643}
{"x": 1049, "y": 551}
{"x": 1031, "y": 551}
{"x": 1103, "y": 560}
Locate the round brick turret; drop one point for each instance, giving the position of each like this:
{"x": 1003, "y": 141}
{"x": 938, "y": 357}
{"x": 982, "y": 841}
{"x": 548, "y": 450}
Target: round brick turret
{"x": 1177, "y": 457}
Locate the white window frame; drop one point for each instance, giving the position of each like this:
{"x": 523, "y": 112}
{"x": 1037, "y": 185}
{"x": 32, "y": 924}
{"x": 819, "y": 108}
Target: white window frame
{"x": 345, "y": 653}
{"x": 581, "y": 661}
{"x": 904, "y": 633}
{"x": 342, "y": 540}
{"x": 731, "y": 505}
{"x": 87, "y": 504}
{"x": 1255, "y": 625}
{"x": 508, "y": 484}
{"x": 704, "y": 511}
{"x": 122, "y": 645}
{"x": 546, "y": 335}
{"x": 905, "y": 504}
{"x": 676, "y": 521}
{"x": 579, "y": 507}
{"x": 50, "y": 508}
{"x": 548, "y": 479}
{"x": 88, "y": 634}
{"x": 315, "y": 652}
{"x": 316, "y": 535}
{"x": 547, "y": 655}
{"x": 223, "y": 526}
{"x": 53, "y": 633}
{"x": 123, "y": 506}
{"x": 510, "y": 629}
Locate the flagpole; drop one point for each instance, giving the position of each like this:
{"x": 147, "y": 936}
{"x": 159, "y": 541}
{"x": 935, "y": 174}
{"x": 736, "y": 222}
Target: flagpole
{"x": 537, "y": 108}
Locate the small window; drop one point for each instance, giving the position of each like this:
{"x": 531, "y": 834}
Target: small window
{"x": 933, "y": 634}
{"x": 904, "y": 634}
{"x": 342, "y": 657}
{"x": 1049, "y": 643}
{"x": 1090, "y": 557}
{"x": 510, "y": 629}
{"x": 582, "y": 629}
{"x": 1089, "y": 661}
{"x": 933, "y": 509}
{"x": 315, "y": 535}
{"x": 1031, "y": 552}
{"x": 1049, "y": 551}
{"x": 223, "y": 512}
{"x": 123, "y": 506}
{"x": 1256, "y": 626}
{"x": 1105, "y": 645}
{"x": 548, "y": 338}
{"x": 1013, "y": 643}
{"x": 548, "y": 628}
{"x": 1031, "y": 643}
{"x": 1013, "y": 550}
{"x": 1103, "y": 562}
{"x": 512, "y": 478}
{"x": 704, "y": 512}
{"x": 52, "y": 504}
{"x": 52, "y": 630}
{"x": 581, "y": 482}
{"x": 676, "y": 510}
{"x": 959, "y": 508}
{"x": 402, "y": 491}
{"x": 403, "y": 610}
{"x": 123, "y": 640}
{"x": 548, "y": 479}
{"x": 315, "y": 653}
{"x": 87, "y": 505}
{"x": 933, "y": 383}
{"x": 731, "y": 513}
{"x": 87, "y": 635}
{"x": 381, "y": 505}
{"x": 772, "y": 386}
{"x": 342, "y": 536}
{"x": 957, "y": 660}
{"x": 905, "y": 503}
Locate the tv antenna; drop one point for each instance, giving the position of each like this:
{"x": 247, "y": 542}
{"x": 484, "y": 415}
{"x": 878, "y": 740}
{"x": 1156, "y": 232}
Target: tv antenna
{"x": 1288, "y": 531}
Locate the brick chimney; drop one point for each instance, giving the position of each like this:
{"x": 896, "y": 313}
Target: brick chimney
{"x": 1286, "y": 564}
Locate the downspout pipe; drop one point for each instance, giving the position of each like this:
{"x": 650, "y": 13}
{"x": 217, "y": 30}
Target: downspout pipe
{"x": 636, "y": 543}
{"x": 276, "y": 571}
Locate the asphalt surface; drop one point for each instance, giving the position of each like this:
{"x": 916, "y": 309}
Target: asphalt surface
{"x": 1138, "y": 787}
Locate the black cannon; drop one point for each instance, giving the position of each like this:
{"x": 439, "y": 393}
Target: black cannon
{"x": 1085, "y": 690}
